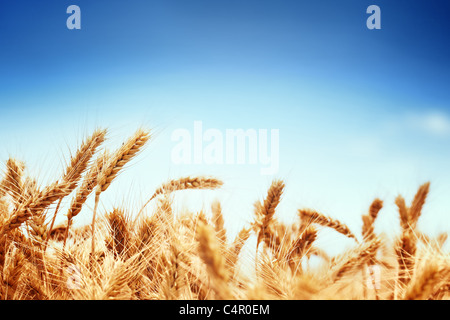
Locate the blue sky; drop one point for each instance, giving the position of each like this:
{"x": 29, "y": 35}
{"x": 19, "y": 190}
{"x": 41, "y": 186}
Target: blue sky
{"x": 361, "y": 113}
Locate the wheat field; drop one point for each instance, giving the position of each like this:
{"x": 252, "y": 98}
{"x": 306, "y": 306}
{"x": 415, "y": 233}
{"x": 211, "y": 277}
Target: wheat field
{"x": 161, "y": 255}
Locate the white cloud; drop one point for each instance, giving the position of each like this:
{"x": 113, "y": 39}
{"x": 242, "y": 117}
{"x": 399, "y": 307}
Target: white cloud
{"x": 435, "y": 123}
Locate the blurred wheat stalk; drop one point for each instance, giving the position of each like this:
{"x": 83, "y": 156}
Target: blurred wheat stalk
{"x": 160, "y": 255}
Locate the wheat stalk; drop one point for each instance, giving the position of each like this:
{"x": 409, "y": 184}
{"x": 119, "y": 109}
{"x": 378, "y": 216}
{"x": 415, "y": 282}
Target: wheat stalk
{"x": 110, "y": 171}
{"x": 185, "y": 183}
{"x": 312, "y": 216}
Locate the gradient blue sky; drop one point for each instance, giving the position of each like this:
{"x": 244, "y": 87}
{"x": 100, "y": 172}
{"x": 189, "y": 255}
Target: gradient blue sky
{"x": 361, "y": 113}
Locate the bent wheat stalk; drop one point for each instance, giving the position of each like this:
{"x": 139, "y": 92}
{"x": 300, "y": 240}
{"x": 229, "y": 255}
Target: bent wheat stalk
{"x": 315, "y": 217}
{"x": 186, "y": 183}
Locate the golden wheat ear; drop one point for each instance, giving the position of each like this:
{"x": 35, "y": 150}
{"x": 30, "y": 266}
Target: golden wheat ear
{"x": 13, "y": 180}
{"x": 80, "y": 161}
{"x": 406, "y": 247}
{"x": 185, "y": 183}
{"x": 209, "y": 251}
{"x": 301, "y": 247}
{"x": 419, "y": 200}
{"x": 119, "y": 232}
{"x": 369, "y": 220}
{"x": 13, "y": 268}
{"x": 219, "y": 223}
{"x": 265, "y": 211}
{"x": 121, "y": 157}
{"x": 311, "y": 216}
{"x": 188, "y": 183}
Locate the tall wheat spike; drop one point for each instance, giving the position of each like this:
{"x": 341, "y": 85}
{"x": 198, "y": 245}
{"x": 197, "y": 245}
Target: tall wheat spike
{"x": 416, "y": 207}
{"x": 210, "y": 254}
{"x": 407, "y": 244}
{"x": 219, "y": 223}
{"x": 369, "y": 219}
{"x": 80, "y": 161}
{"x": 265, "y": 211}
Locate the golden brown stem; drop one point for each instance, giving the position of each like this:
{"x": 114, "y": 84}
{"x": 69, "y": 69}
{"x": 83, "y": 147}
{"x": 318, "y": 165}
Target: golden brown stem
{"x": 97, "y": 197}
